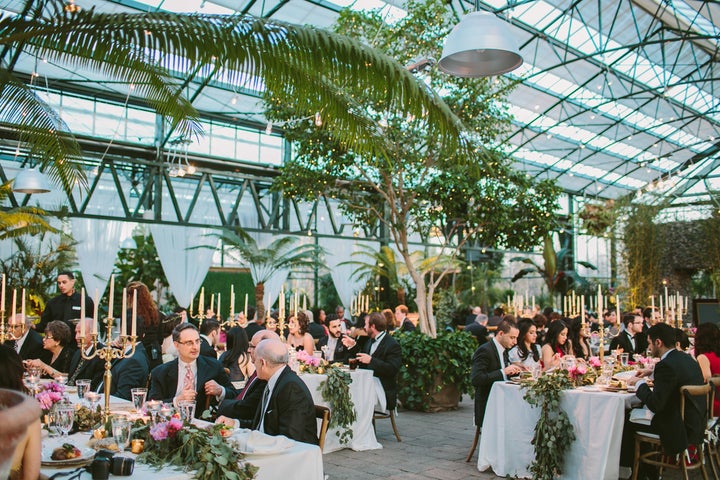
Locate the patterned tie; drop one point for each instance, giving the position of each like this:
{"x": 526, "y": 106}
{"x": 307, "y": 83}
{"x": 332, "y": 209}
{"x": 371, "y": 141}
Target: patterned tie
{"x": 189, "y": 379}
{"x": 249, "y": 382}
{"x": 265, "y": 401}
{"x": 506, "y": 357}
{"x": 75, "y": 374}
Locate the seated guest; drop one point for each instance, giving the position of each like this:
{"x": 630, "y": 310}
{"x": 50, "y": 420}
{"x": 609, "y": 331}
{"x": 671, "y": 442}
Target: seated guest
{"x": 707, "y": 353}
{"x": 298, "y": 337}
{"x": 338, "y": 345}
{"x": 209, "y": 332}
{"x": 478, "y": 328}
{"x": 240, "y": 411}
{"x": 579, "y": 335}
{"x": 470, "y": 318}
{"x": 316, "y": 330}
{"x": 26, "y": 458}
{"x": 169, "y": 352}
{"x": 401, "y": 319}
{"x": 556, "y": 345}
{"x": 92, "y": 369}
{"x": 541, "y": 322}
{"x": 496, "y": 317}
{"x": 29, "y": 345}
{"x": 381, "y": 354}
{"x": 358, "y": 329}
{"x": 626, "y": 340}
{"x": 389, "y": 319}
{"x": 128, "y": 373}
{"x": 236, "y": 358}
{"x": 190, "y": 376}
{"x": 286, "y": 408}
{"x": 527, "y": 352}
{"x": 674, "y": 370}
{"x": 682, "y": 341}
{"x": 56, "y": 341}
{"x": 611, "y": 323}
{"x": 254, "y": 323}
{"x": 491, "y": 363}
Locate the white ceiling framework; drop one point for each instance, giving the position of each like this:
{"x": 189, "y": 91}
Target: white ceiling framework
{"x": 615, "y": 98}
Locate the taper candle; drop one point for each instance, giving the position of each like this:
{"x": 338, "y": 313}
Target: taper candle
{"x": 123, "y": 310}
{"x": 134, "y": 314}
{"x": 111, "y": 297}
{"x": 82, "y": 312}
{"x": 95, "y": 312}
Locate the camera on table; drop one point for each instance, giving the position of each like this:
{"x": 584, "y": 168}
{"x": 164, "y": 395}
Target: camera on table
{"x": 105, "y": 463}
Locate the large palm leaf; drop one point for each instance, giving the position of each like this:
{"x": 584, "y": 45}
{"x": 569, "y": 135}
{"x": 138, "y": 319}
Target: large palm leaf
{"x": 298, "y": 64}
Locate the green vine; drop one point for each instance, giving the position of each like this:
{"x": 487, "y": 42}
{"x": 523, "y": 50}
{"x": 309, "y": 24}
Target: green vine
{"x": 554, "y": 433}
{"x": 336, "y": 391}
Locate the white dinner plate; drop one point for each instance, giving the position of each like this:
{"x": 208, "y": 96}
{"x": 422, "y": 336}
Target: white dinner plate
{"x": 86, "y": 455}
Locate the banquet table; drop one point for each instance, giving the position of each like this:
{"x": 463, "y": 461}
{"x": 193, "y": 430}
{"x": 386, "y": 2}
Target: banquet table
{"x": 597, "y": 417}
{"x": 364, "y": 395}
{"x": 290, "y": 460}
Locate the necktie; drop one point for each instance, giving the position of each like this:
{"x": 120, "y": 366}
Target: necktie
{"x": 75, "y": 374}
{"x": 506, "y": 357}
{"x": 17, "y": 346}
{"x": 189, "y": 379}
{"x": 265, "y": 400}
{"x": 247, "y": 386}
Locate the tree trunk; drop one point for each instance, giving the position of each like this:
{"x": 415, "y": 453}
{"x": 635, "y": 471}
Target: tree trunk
{"x": 259, "y": 301}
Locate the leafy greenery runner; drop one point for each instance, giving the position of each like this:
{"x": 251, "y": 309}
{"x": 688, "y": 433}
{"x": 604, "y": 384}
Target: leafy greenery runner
{"x": 336, "y": 391}
{"x": 554, "y": 433}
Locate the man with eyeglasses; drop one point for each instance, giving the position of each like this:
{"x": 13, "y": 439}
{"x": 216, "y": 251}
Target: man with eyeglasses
{"x": 626, "y": 340}
{"x": 190, "y": 376}
{"x": 240, "y": 411}
{"x": 28, "y": 343}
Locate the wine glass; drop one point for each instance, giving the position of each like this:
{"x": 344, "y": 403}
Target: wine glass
{"x": 31, "y": 381}
{"x": 64, "y": 414}
{"x": 154, "y": 407}
{"x": 121, "y": 431}
{"x": 187, "y": 410}
{"x": 61, "y": 378}
{"x": 138, "y": 398}
{"x": 83, "y": 385}
{"x": 93, "y": 398}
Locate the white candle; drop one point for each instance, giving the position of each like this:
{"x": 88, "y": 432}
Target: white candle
{"x": 246, "y": 305}
{"x": 192, "y": 300}
{"x": 123, "y": 318}
{"x": 201, "y": 303}
{"x": 212, "y": 302}
{"x": 600, "y": 304}
{"x": 82, "y": 312}
{"x": 22, "y": 308}
{"x": 14, "y": 303}
{"x": 95, "y": 312}
{"x": 3, "y": 293}
{"x": 617, "y": 307}
{"x": 304, "y": 302}
{"x": 652, "y": 306}
{"x": 667, "y": 304}
{"x": 218, "y": 316}
{"x": 112, "y": 296}
{"x": 232, "y": 302}
{"x": 134, "y": 314}
{"x": 582, "y": 309}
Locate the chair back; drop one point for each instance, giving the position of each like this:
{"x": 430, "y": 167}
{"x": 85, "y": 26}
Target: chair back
{"x": 322, "y": 413}
{"x": 715, "y": 382}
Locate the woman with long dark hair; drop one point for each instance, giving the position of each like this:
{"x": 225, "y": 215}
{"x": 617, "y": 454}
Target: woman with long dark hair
{"x": 556, "y": 345}
{"x": 149, "y": 327}
{"x": 236, "y": 358}
{"x": 707, "y": 353}
{"x": 579, "y": 338}
{"x": 527, "y": 351}
{"x": 298, "y": 336}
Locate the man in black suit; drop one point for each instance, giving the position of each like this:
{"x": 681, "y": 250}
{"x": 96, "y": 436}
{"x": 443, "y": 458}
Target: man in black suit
{"x": 209, "y": 333}
{"x": 478, "y": 328}
{"x": 627, "y": 339}
{"x": 339, "y": 346}
{"x": 651, "y": 316}
{"x": 28, "y": 343}
{"x": 490, "y": 363}
{"x": 191, "y": 376}
{"x": 674, "y": 370}
{"x": 287, "y": 408}
{"x": 128, "y": 373}
{"x": 401, "y": 319}
{"x": 66, "y": 306}
{"x": 240, "y": 411}
{"x": 382, "y": 354}
{"x": 92, "y": 369}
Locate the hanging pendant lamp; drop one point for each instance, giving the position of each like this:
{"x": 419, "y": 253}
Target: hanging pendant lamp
{"x": 31, "y": 181}
{"x": 481, "y": 45}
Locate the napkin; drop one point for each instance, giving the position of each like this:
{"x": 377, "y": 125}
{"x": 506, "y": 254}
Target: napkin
{"x": 641, "y": 415}
{"x": 253, "y": 441}
{"x": 625, "y": 375}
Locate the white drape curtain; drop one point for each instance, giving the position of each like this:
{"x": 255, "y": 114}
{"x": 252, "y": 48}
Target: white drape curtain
{"x": 98, "y": 242}
{"x": 273, "y": 282}
{"x": 338, "y": 251}
{"x": 184, "y": 265}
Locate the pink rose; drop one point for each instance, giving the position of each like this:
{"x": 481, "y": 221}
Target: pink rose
{"x": 174, "y": 425}
{"x": 159, "y": 431}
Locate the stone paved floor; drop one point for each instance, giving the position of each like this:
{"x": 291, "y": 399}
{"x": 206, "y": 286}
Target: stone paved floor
{"x": 434, "y": 446}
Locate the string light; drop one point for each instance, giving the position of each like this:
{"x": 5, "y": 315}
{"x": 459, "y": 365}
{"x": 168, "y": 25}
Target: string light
{"x": 318, "y": 119}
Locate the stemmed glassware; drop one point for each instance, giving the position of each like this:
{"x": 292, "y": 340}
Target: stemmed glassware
{"x": 154, "y": 407}
{"x": 31, "y": 380}
{"x": 64, "y": 414}
{"x": 93, "y": 398}
{"x": 121, "y": 427}
{"x": 138, "y": 398}
{"x": 83, "y": 385}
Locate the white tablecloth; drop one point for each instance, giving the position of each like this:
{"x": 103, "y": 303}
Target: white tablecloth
{"x": 364, "y": 396}
{"x": 507, "y": 432}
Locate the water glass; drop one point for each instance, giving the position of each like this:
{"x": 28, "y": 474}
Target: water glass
{"x": 93, "y": 398}
{"x": 64, "y": 416}
{"x": 187, "y": 410}
{"x": 154, "y": 407}
{"x": 568, "y": 361}
{"x": 61, "y": 378}
{"x": 121, "y": 431}
{"x": 83, "y": 385}
{"x": 536, "y": 371}
{"x": 624, "y": 359}
{"x": 138, "y": 398}
{"x": 31, "y": 381}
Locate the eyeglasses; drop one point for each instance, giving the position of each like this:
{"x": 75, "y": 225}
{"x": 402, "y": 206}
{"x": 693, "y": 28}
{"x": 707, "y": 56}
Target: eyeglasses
{"x": 251, "y": 347}
{"x": 190, "y": 343}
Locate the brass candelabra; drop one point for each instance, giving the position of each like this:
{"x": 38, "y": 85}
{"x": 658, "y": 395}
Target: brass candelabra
{"x": 199, "y": 317}
{"x": 109, "y": 353}
{"x": 601, "y": 338}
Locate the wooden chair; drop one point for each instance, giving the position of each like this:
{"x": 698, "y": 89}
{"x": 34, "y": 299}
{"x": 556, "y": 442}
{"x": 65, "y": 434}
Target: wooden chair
{"x": 322, "y": 413}
{"x": 712, "y": 434}
{"x": 391, "y": 415}
{"x": 474, "y": 444}
{"x": 656, "y": 456}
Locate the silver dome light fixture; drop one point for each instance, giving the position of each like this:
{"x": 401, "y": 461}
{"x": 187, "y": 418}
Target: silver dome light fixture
{"x": 31, "y": 181}
{"x": 481, "y": 45}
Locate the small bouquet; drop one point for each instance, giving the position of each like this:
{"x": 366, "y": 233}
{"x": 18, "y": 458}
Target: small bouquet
{"x": 582, "y": 374}
{"x": 310, "y": 364}
{"x": 49, "y": 394}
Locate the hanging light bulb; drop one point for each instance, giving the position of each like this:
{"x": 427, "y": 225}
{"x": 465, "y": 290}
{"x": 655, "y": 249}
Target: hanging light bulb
{"x": 191, "y": 169}
{"x": 70, "y": 7}
{"x": 318, "y": 119}
{"x": 268, "y": 128}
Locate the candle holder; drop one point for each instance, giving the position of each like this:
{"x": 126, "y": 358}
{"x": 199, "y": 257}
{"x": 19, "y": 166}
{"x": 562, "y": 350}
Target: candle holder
{"x": 109, "y": 353}
{"x": 601, "y": 339}
{"x": 6, "y": 330}
{"x": 281, "y": 325}
{"x": 199, "y": 317}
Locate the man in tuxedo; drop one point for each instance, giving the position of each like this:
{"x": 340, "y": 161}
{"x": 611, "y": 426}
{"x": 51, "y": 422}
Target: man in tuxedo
{"x": 674, "y": 370}
{"x": 651, "y": 316}
{"x": 286, "y": 408}
{"x": 627, "y": 339}
{"x": 128, "y": 373}
{"x": 191, "y": 376}
{"x": 28, "y": 344}
{"x": 66, "y": 306}
{"x": 382, "y": 354}
{"x": 478, "y": 328}
{"x": 92, "y": 369}
{"x": 209, "y": 333}
{"x": 338, "y": 345}
{"x": 240, "y": 411}
{"x": 490, "y": 363}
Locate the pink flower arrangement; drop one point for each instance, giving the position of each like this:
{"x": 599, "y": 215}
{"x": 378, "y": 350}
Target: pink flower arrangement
{"x": 49, "y": 395}
{"x": 594, "y": 362}
{"x": 577, "y": 371}
{"x": 164, "y": 430}
{"x": 307, "y": 359}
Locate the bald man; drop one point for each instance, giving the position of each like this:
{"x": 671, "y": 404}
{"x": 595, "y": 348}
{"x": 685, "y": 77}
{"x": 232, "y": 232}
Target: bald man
{"x": 81, "y": 368}
{"x": 287, "y": 408}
